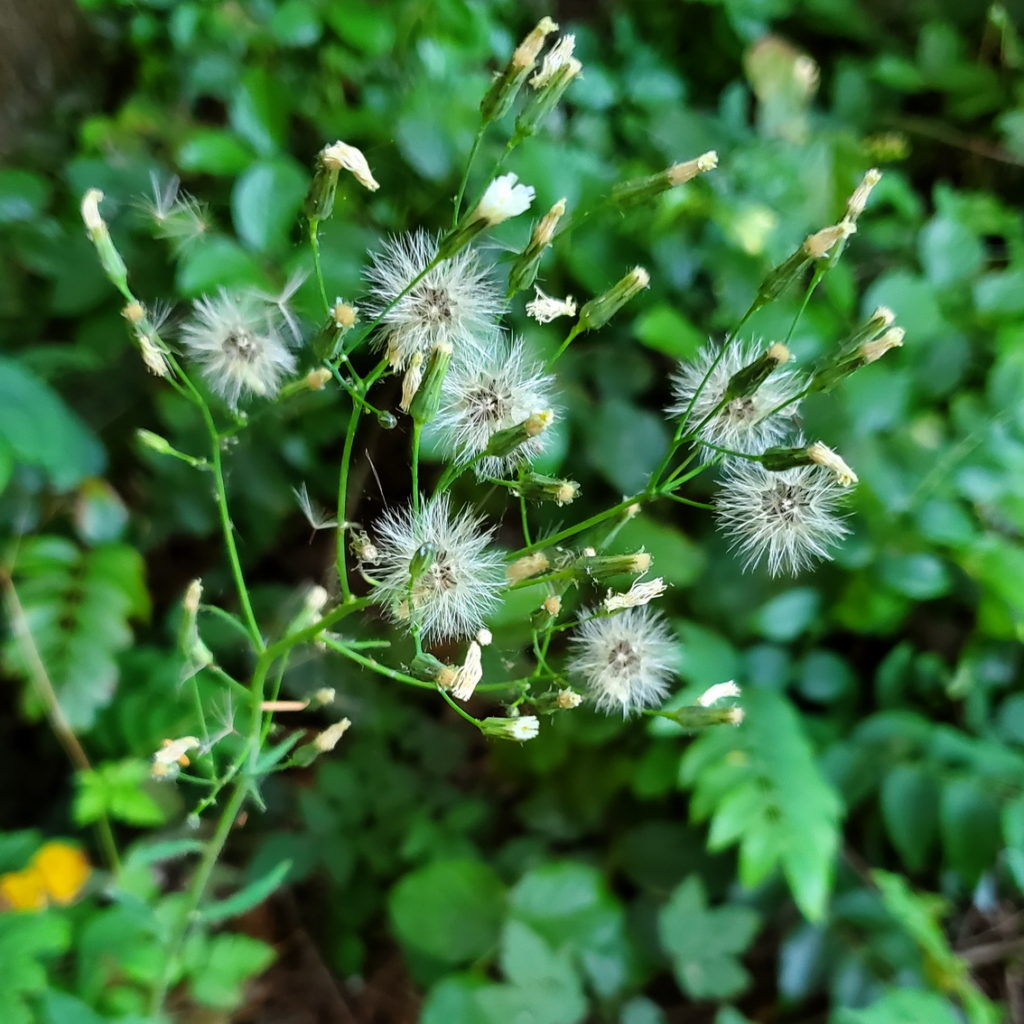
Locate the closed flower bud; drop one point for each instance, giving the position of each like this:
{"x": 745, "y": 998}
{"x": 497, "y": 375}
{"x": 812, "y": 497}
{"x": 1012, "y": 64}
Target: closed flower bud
{"x": 632, "y": 193}
{"x": 818, "y": 245}
{"x": 821, "y": 455}
{"x": 527, "y": 566}
{"x": 697, "y": 717}
{"x": 558, "y": 71}
{"x": 316, "y": 380}
{"x": 96, "y": 228}
{"x": 524, "y": 270}
{"x": 568, "y": 699}
{"x": 428, "y": 668}
{"x": 859, "y": 199}
{"x": 504, "y": 442}
{"x": 520, "y": 729}
{"x": 423, "y": 408}
{"x": 411, "y": 381}
{"x": 747, "y": 380}
{"x": 871, "y": 351}
{"x": 327, "y": 740}
{"x": 552, "y": 604}
{"x": 597, "y": 312}
{"x": 154, "y": 442}
{"x": 535, "y": 487}
{"x": 341, "y": 157}
{"x": 602, "y": 567}
{"x": 502, "y": 93}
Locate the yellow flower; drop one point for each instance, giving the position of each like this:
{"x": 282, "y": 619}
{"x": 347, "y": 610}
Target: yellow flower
{"x": 56, "y": 875}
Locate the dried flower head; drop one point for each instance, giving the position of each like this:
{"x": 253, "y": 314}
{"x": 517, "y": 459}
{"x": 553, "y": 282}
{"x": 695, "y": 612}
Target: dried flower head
{"x": 340, "y": 156}
{"x": 820, "y": 243}
{"x": 787, "y": 519}
{"x": 746, "y": 423}
{"x": 458, "y": 575}
{"x": 485, "y": 394}
{"x": 560, "y": 56}
{"x": 237, "y": 342}
{"x": 626, "y": 660}
{"x": 639, "y": 594}
{"x": 545, "y": 308}
{"x": 455, "y": 302}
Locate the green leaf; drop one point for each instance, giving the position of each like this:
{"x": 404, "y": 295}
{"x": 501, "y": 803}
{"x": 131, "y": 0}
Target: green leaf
{"x": 218, "y": 263}
{"x": 971, "y": 833}
{"x": 903, "y": 1006}
{"x": 27, "y": 941}
{"x": 663, "y": 329}
{"x": 704, "y": 943}
{"x": 259, "y": 111}
{"x": 214, "y": 151}
{"x": 625, "y": 443}
{"x": 251, "y": 895}
{"x": 787, "y": 615}
{"x": 950, "y": 251}
{"x": 449, "y": 910}
{"x": 910, "y": 798}
{"x": 265, "y": 202}
{"x": 793, "y": 821}
{"x": 296, "y": 23}
{"x": 115, "y": 788}
{"x": 76, "y": 610}
{"x": 359, "y": 23}
{"x": 220, "y": 966}
{"x": 23, "y": 195}
{"x": 38, "y": 429}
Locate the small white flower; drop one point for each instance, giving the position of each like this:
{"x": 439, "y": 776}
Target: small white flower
{"x": 713, "y": 694}
{"x": 456, "y": 302}
{"x": 236, "y": 342}
{"x": 787, "y": 519}
{"x": 460, "y": 585}
{"x": 485, "y": 394}
{"x": 558, "y": 57}
{"x": 745, "y": 424}
{"x": 545, "y": 308}
{"x": 637, "y": 596}
{"x": 347, "y": 158}
{"x": 503, "y": 199}
{"x": 91, "y": 216}
{"x": 568, "y": 699}
{"x": 626, "y": 660}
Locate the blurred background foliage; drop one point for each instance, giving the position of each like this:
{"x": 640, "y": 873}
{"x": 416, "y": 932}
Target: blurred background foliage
{"x": 854, "y": 853}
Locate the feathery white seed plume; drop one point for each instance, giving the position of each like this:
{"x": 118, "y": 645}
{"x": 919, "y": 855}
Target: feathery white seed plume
{"x": 626, "y": 660}
{"x": 456, "y": 302}
{"x": 236, "y": 341}
{"x": 487, "y": 393}
{"x": 786, "y": 519}
{"x": 745, "y": 424}
{"x": 459, "y": 587}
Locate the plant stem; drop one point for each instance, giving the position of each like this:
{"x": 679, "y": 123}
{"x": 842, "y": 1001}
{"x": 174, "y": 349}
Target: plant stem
{"x": 314, "y": 242}
{"x": 417, "y": 430}
{"x": 477, "y": 139}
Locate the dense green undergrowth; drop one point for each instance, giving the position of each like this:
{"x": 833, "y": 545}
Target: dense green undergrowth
{"x": 854, "y": 852}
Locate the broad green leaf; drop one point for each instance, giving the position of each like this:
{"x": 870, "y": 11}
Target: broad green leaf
{"x": 23, "y": 195}
{"x": 902, "y": 1006}
{"x": 265, "y": 202}
{"x": 116, "y": 788}
{"x": 910, "y": 799}
{"x": 449, "y": 910}
{"x": 703, "y": 943}
{"x": 214, "y": 151}
{"x": 259, "y": 111}
{"x": 38, "y": 429}
{"x": 971, "y": 834}
{"x": 218, "y": 263}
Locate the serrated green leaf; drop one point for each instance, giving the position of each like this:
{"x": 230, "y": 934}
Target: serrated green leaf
{"x": 703, "y": 943}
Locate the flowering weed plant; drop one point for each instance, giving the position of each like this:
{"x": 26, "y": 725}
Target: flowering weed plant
{"x": 435, "y": 319}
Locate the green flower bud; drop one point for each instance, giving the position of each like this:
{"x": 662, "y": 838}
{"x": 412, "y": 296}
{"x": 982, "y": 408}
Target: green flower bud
{"x": 597, "y": 312}
{"x": 424, "y": 406}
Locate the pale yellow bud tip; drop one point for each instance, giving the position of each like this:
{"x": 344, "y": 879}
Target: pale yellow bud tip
{"x": 778, "y": 353}
{"x": 316, "y": 380}
{"x": 568, "y": 699}
{"x": 328, "y": 739}
{"x": 341, "y": 156}
{"x": 345, "y": 315}
{"x": 820, "y": 243}
{"x": 538, "y": 422}
{"x": 640, "y": 562}
{"x": 552, "y": 605}
{"x": 134, "y": 312}
{"x": 527, "y": 566}
{"x": 873, "y": 350}
{"x": 91, "y": 210}
{"x": 821, "y": 455}
{"x": 193, "y": 595}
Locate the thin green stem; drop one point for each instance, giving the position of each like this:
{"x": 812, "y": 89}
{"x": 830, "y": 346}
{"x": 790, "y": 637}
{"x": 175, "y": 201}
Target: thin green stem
{"x": 570, "y": 337}
{"x": 819, "y": 273}
{"x": 455, "y": 707}
{"x": 417, "y": 431}
{"x": 314, "y": 242}
{"x": 376, "y": 666}
{"x": 570, "y": 531}
{"x": 477, "y": 139}
{"x": 342, "y": 517}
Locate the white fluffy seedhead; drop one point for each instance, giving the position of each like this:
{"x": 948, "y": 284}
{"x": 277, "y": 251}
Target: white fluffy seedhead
{"x": 744, "y": 424}
{"x": 787, "y": 519}
{"x": 457, "y": 302}
{"x": 236, "y": 340}
{"x": 462, "y": 582}
{"x": 487, "y": 393}
{"x": 626, "y": 660}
